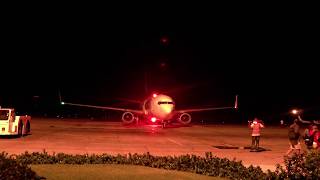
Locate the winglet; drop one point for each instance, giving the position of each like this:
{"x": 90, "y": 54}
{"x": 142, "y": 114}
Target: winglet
{"x": 60, "y": 98}
{"x": 236, "y": 102}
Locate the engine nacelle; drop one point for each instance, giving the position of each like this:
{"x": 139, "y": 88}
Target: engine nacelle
{"x": 184, "y": 118}
{"x": 128, "y": 117}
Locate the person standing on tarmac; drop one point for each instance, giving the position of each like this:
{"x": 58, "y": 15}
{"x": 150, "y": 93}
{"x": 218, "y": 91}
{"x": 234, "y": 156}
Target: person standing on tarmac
{"x": 316, "y": 140}
{"x": 311, "y": 134}
{"x": 256, "y": 125}
{"x": 294, "y": 136}
{"x": 315, "y": 137}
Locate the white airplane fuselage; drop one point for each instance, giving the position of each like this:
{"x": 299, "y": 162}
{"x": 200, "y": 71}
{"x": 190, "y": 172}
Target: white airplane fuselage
{"x": 159, "y": 106}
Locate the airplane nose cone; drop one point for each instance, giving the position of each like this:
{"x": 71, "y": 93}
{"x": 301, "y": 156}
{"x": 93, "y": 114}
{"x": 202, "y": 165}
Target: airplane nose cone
{"x": 167, "y": 109}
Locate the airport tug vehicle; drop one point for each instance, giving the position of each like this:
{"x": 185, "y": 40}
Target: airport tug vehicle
{"x": 10, "y": 124}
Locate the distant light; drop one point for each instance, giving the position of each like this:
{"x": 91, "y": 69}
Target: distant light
{"x": 164, "y": 40}
{"x": 163, "y": 65}
{"x": 153, "y": 119}
{"x": 154, "y": 95}
{"x": 62, "y": 103}
{"x": 294, "y": 111}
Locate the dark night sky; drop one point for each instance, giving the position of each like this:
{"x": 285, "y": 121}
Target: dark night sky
{"x": 270, "y": 62}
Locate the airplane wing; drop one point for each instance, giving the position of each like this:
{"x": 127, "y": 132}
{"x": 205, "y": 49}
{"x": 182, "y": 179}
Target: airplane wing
{"x": 210, "y": 109}
{"x": 99, "y": 107}
{"x": 103, "y": 107}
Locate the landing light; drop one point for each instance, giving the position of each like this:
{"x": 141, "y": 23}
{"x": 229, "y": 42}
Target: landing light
{"x": 154, "y": 95}
{"x": 62, "y": 103}
{"x": 153, "y": 119}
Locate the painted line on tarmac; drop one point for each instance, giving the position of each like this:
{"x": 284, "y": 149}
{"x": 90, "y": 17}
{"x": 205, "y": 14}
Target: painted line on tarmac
{"x": 175, "y": 142}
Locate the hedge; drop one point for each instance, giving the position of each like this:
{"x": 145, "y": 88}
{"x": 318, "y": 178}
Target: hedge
{"x": 208, "y": 165}
{"x": 296, "y": 167}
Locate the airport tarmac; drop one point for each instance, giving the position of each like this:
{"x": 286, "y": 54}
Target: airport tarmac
{"x": 89, "y": 136}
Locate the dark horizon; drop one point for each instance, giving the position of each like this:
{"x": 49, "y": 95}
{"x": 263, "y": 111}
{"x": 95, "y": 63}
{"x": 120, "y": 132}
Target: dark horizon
{"x": 271, "y": 67}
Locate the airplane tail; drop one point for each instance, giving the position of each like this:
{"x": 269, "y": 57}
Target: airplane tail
{"x": 236, "y": 102}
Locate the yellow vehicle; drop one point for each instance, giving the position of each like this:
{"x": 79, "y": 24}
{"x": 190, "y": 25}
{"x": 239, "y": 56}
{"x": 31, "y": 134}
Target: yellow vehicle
{"x": 10, "y": 124}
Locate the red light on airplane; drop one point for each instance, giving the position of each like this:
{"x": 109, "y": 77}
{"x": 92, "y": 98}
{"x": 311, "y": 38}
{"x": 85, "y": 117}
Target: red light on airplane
{"x": 154, "y": 95}
{"x": 153, "y": 119}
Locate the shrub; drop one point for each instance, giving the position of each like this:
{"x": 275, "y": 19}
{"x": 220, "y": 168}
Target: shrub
{"x": 298, "y": 166}
{"x": 303, "y": 166}
{"x": 11, "y": 169}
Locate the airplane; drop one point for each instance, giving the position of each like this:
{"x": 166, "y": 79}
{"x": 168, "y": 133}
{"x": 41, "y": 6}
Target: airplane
{"x": 157, "y": 108}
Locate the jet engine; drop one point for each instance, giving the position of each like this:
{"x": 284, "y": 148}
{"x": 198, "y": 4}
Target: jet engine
{"x": 128, "y": 117}
{"x": 184, "y": 118}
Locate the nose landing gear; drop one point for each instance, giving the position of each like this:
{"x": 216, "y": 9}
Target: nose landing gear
{"x": 164, "y": 124}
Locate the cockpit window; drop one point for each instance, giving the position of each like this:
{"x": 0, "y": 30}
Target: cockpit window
{"x": 4, "y": 114}
{"x": 165, "y": 102}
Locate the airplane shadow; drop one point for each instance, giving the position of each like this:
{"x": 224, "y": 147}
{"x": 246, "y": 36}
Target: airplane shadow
{"x": 168, "y": 126}
{"x": 260, "y": 149}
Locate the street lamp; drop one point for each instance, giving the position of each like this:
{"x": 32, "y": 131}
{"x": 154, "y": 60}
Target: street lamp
{"x": 294, "y": 111}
